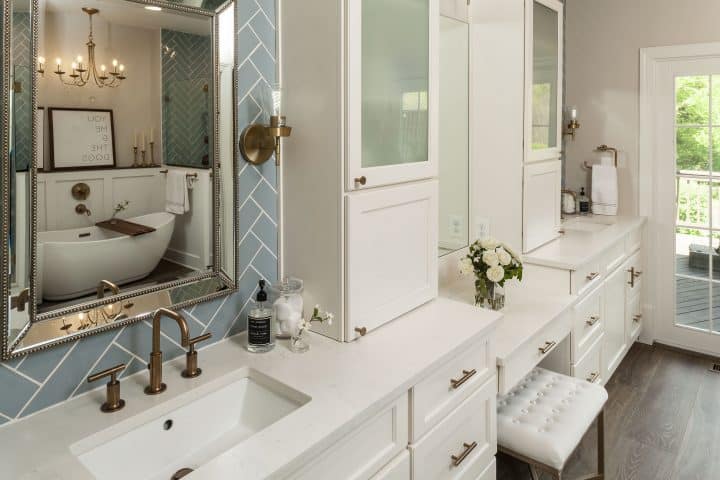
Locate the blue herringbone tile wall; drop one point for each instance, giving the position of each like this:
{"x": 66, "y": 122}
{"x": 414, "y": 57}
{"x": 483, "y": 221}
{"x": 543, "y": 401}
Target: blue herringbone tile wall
{"x": 36, "y": 382}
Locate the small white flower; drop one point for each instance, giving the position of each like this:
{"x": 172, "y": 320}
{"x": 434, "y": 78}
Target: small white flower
{"x": 496, "y": 273}
{"x": 491, "y": 259}
{"x": 329, "y": 318}
{"x": 489, "y": 243}
{"x": 466, "y": 266}
{"x": 503, "y": 256}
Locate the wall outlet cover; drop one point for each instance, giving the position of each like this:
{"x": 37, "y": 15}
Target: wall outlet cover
{"x": 482, "y": 228}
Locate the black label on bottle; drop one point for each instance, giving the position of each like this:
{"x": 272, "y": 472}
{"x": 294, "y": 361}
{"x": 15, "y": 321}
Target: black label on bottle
{"x": 584, "y": 207}
{"x": 259, "y": 331}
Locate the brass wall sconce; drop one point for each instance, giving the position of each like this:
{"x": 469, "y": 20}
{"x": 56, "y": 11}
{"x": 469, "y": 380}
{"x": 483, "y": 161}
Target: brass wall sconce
{"x": 573, "y": 124}
{"x": 258, "y": 142}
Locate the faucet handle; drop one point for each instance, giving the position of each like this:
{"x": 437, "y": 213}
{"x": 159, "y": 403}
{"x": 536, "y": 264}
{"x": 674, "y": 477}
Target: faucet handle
{"x": 191, "y": 362}
{"x": 113, "y": 402}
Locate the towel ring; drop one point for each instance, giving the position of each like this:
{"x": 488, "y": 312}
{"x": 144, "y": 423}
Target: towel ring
{"x": 604, "y": 148}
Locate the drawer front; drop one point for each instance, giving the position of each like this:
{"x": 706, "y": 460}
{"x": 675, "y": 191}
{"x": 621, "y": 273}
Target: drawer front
{"x": 463, "y": 444}
{"x": 634, "y": 320}
{"x": 633, "y": 241}
{"x": 589, "y": 367}
{"x": 397, "y": 469}
{"x": 588, "y": 323}
{"x": 586, "y": 277}
{"x": 614, "y": 256}
{"x": 363, "y": 452}
{"x": 530, "y": 355}
{"x": 436, "y": 396}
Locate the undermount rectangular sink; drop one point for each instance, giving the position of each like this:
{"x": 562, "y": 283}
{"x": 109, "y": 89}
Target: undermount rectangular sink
{"x": 189, "y": 430}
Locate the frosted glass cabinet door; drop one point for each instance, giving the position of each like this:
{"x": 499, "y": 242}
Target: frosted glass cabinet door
{"x": 391, "y": 98}
{"x": 545, "y": 89}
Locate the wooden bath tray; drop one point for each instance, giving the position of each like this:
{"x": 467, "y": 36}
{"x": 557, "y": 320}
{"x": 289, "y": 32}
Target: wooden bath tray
{"x": 125, "y": 227}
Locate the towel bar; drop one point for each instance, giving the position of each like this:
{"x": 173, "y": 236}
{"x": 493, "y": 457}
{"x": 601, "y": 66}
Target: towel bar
{"x": 189, "y": 175}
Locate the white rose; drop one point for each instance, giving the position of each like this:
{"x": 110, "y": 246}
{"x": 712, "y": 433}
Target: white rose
{"x": 496, "y": 273}
{"x": 466, "y": 266}
{"x": 513, "y": 253}
{"x": 504, "y": 256}
{"x": 491, "y": 259}
{"x": 489, "y": 243}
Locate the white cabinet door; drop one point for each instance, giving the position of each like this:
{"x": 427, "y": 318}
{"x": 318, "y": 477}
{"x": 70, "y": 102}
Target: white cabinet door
{"x": 614, "y": 342}
{"x": 391, "y": 253}
{"x": 541, "y": 203}
{"x": 392, "y": 86}
{"x": 457, "y": 9}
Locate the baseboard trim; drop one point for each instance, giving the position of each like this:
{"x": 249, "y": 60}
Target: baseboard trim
{"x": 672, "y": 348}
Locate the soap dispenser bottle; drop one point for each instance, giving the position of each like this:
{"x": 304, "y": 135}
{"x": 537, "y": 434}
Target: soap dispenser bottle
{"x": 260, "y": 337}
{"x": 583, "y": 202}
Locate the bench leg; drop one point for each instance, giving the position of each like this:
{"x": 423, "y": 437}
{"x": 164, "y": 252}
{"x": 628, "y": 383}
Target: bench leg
{"x": 601, "y": 443}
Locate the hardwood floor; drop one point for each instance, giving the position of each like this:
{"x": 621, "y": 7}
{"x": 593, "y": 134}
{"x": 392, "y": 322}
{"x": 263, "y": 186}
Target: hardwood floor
{"x": 661, "y": 422}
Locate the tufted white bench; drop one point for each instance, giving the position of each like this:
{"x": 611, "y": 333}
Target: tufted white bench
{"x": 543, "y": 419}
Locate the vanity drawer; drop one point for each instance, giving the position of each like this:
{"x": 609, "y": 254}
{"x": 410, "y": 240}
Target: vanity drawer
{"x": 397, "y": 469}
{"x": 437, "y": 395}
{"x": 365, "y": 451}
{"x": 614, "y": 256}
{"x": 529, "y": 355}
{"x": 490, "y": 472}
{"x": 590, "y": 366}
{"x": 585, "y": 277}
{"x": 469, "y": 434}
{"x": 587, "y": 322}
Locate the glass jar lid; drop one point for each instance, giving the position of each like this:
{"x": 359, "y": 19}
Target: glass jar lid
{"x": 288, "y": 286}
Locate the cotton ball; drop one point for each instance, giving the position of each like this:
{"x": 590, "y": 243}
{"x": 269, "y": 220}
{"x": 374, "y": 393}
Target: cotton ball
{"x": 283, "y": 311}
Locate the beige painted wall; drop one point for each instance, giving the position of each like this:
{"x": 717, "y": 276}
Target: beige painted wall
{"x": 603, "y": 41}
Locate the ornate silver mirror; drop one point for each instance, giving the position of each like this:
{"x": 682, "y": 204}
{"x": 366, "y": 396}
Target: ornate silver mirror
{"x": 119, "y": 176}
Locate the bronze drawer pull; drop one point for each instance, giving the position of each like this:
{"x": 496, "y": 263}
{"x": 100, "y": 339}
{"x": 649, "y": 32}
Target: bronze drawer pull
{"x": 361, "y": 180}
{"x": 593, "y": 377}
{"x": 467, "y": 374}
{"x": 593, "y": 320}
{"x": 458, "y": 459}
{"x": 633, "y": 275}
{"x": 361, "y": 330}
{"x": 637, "y": 318}
{"x": 547, "y": 347}
{"x": 592, "y": 276}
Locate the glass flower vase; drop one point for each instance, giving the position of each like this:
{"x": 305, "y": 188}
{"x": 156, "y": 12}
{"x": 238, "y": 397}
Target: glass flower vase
{"x": 491, "y": 298}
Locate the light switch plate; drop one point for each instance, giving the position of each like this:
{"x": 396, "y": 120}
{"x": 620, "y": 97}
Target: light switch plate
{"x": 482, "y": 228}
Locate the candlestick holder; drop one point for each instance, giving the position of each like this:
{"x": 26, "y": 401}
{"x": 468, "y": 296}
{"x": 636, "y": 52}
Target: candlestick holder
{"x": 135, "y": 157}
{"x": 143, "y": 163}
{"x": 152, "y": 155}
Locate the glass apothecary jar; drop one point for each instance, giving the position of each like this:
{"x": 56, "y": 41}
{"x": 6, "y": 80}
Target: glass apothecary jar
{"x": 287, "y": 306}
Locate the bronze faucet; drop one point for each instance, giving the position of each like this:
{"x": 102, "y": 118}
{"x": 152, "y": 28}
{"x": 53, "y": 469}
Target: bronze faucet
{"x": 106, "y": 284}
{"x": 156, "y": 386}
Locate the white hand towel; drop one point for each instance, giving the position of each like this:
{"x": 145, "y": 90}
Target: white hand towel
{"x": 604, "y": 189}
{"x": 177, "y": 198}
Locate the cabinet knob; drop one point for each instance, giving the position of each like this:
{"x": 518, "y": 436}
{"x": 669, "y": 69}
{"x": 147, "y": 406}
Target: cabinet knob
{"x": 361, "y": 180}
{"x": 361, "y": 330}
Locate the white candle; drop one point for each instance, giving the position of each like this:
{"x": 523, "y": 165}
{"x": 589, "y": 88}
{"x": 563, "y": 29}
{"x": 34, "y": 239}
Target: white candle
{"x": 152, "y": 135}
{"x": 135, "y": 136}
{"x": 143, "y": 141}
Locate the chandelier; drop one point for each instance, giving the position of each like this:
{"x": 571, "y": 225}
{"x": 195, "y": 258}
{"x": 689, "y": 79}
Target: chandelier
{"x": 83, "y": 73}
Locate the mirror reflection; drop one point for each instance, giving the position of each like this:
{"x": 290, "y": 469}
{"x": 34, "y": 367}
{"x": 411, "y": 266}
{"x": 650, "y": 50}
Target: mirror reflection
{"x": 545, "y": 77}
{"x": 454, "y": 135}
{"x": 135, "y": 180}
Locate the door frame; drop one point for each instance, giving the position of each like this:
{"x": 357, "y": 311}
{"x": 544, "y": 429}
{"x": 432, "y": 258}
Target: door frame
{"x": 653, "y": 60}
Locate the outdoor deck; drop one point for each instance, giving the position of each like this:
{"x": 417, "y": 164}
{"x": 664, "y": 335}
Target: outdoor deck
{"x": 692, "y": 306}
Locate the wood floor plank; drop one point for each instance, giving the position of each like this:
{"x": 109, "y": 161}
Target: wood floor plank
{"x": 633, "y": 460}
{"x": 668, "y": 401}
{"x": 698, "y": 459}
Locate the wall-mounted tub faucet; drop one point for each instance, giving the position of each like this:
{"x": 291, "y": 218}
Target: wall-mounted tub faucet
{"x": 106, "y": 285}
{"x": 82, "y": 209}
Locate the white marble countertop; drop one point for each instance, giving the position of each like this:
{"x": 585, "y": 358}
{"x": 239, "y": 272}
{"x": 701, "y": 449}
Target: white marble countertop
{"x": 577, "y": 247}
{"x": 347, "y": 383}
{"x": 526, "y": 312}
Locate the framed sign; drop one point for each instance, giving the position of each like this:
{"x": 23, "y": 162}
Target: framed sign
{"x": 81, "y": 138}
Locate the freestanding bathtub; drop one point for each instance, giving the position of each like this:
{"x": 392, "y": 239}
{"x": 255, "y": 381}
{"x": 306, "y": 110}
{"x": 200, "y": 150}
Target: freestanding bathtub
{"x": 74, "y": 261}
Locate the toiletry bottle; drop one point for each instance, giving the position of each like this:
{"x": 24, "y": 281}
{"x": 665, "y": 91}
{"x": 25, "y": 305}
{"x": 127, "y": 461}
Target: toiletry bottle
{"x": 583, "y": 202}
{"x": 260, "y": 338}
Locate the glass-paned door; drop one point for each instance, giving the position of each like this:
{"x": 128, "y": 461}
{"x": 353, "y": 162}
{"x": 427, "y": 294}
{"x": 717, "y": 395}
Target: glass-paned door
{"x": 697, "y": 199}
